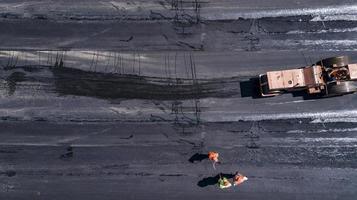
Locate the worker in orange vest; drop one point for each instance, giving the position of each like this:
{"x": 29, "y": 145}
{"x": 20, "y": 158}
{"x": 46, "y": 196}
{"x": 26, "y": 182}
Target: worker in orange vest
{"x": 238, "y": 179}
{"x": 213, "y": 156}
{"x": 223, "y": 182}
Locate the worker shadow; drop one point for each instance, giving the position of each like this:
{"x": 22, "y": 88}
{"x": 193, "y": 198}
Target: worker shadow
{"x": 249, "y": 88}
{"x": 213, "y": 180}
{"x": 198, "y": 157}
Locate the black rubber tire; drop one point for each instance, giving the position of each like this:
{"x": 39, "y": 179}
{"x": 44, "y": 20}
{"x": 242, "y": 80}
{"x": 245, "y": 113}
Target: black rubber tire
{"x": 339, "y": 61}
{"x": 345, "y": 87}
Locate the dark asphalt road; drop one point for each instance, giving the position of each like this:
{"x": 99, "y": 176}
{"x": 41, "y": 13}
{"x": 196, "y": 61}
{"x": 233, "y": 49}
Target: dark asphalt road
{"x": 151, "y": 160}
{"x": 146, "y": 85}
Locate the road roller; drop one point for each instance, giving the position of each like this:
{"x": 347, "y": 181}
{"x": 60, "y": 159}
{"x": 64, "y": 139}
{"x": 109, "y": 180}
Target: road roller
{"x": 328, "y": 77}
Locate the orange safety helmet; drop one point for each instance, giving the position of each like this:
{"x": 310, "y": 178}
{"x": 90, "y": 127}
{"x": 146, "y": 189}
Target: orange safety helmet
{"x": 212, "y": 155}
{"x": 239, "y": 178}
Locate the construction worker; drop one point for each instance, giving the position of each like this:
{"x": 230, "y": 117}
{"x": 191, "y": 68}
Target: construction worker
{"x": 213, "y": 156}
{"x": 238, "y": 179}
{"x": 223, "y": 182}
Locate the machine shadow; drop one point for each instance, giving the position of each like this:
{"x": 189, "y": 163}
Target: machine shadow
{"x": 305, "y": 95}
{"x": 250, "y": 88}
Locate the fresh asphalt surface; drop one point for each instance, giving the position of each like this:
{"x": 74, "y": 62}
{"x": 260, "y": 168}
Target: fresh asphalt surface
{"x": 147, "y": 87}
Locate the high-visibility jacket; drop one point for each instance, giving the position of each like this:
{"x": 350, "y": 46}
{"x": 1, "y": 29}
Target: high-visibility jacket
{"x": 224, "y": 183}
